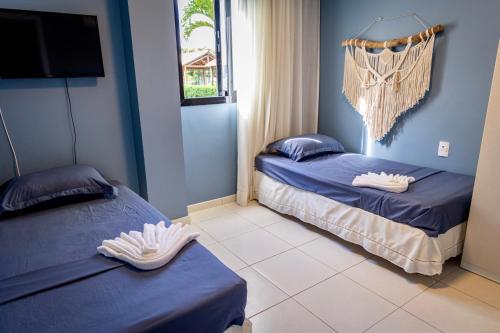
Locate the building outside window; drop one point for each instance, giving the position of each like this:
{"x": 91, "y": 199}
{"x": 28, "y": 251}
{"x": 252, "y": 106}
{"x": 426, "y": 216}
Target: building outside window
{"x": 203, "y": 32}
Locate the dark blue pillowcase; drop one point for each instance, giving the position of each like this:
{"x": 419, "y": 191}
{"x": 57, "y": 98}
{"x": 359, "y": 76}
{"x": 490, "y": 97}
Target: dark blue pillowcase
{"x": 301, "y": 147}
{"x": 76, "y": 182}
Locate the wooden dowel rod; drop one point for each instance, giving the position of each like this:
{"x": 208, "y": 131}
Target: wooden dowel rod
{"x": 393, "y": 42}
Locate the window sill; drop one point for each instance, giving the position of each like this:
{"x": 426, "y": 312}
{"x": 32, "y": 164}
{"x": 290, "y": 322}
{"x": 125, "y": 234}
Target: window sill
{"x": 204, "y": 101}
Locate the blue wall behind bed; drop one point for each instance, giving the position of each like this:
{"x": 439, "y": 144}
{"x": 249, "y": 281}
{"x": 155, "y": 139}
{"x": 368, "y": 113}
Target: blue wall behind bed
{"x": 454, "y": 110}
{"x": 108, "y": 116}
{"x": 36, "y": 113}
{"x": 209, "y": 136}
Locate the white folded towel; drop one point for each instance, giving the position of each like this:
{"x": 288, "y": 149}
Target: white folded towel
{"x": 383, "y": 181}
{"x": 152, "y": 248}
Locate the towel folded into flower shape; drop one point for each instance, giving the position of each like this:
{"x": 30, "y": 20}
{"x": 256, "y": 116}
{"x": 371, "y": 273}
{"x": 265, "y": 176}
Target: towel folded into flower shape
{"x": 150, "y": 249}
{"x": 383, "y": 181}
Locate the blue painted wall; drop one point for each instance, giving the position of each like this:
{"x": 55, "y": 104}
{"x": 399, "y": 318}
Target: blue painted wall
{"x": 113, "y": 130}
{"x": 455, "y": 108}
{"x": 209, "y": 136}
{"x": 134, "y": 100}
{"x": 35, "y": 109}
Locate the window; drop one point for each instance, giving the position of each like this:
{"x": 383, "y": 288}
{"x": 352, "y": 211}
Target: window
{"x": 203, "y": 30}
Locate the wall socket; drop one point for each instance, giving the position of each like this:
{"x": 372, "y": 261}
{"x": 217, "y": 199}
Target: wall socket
{"x": 444, "y": 148}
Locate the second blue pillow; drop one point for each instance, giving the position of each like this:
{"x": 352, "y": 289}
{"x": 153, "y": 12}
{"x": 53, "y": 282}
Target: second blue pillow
{"x": 301, "y": 147}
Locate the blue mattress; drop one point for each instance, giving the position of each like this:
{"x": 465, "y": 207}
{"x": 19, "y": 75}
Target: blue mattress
{"x": 51, "y": 279}
{"x": 436, "y": 202}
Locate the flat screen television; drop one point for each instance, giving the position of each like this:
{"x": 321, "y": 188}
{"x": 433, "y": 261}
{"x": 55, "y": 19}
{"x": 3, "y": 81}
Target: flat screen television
{"x": 43, "y": 45}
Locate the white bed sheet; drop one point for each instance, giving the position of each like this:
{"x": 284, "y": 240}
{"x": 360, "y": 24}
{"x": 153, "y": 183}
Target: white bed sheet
{"x": 405, "y": 246}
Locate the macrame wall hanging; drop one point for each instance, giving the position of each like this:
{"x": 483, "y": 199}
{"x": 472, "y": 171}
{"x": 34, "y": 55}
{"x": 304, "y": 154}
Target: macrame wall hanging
{"x": 382, "y": 86}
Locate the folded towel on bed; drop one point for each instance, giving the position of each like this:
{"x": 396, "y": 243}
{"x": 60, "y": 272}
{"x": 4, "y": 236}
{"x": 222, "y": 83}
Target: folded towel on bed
{"x": 150, "y": 249}
{"x": 383, "y": 181}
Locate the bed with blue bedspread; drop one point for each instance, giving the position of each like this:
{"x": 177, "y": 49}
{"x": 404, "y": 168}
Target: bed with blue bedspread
{"x": 417, "y": 230}
{"x": 52, "y": 279}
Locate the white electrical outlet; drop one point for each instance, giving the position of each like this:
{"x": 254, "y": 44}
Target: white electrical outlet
{"x": 444, "y": 148}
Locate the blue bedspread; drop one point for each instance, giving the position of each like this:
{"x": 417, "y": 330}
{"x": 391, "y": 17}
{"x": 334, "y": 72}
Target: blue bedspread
{"x": 436, "y": 202}
{"x": 51, "y": 279}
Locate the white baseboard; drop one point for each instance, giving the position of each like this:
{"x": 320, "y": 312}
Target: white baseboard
{"x": 211, "y": 203}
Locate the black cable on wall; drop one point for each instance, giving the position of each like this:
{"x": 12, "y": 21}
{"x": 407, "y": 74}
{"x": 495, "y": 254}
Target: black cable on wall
{"x": 70, "y": 112}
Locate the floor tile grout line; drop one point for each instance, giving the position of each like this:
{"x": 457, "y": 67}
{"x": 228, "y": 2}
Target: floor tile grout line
{"x": 452, "y": 287}
{"x": 259, "y": 225}
{"x": 315, "y": 284}
{"x": 293, "y": 296}
{"x": 274, "y": 284}
{"x": 318, "y": 261}
{"x": 292, "y": 247}
{"x": 277, "y": 254}
{"x": 302, "y": 291}
{"x": 241, "y": 234}
{"x": 226, "y": 213}
{"x": 337, "y": 270}
{"x": 270, "y": 307}
{"x": 225, "y": 239}
{"x": 380, "y": 320}
{"x": 283, "y": 217}
{"x": 371, "y": 291}
{"x": 325, "y": 264}
{"x": 288, "y": 241}
{"x": 299, "y": 304}
{"x": 413, "y": 315}
{"x": 420, "y": 293}
{"x": 244, "y": 218}
{"x": 399, "y": 307}
{"x": 232, "y": 237}
{"x": 472, "y": 296}
{"x": 435, "y": 281}
{"x": 310, "y": 241}
{"x": 263, "y": 228}
{"x": 234, "y": 270}
{"x": 376, "y": 294}
{"x": 297, "y": 293}
{"x": 290, "y": 296}
{"x": 274, "y": 255}
{"x": 315, "y": 315}
{"x": 250, "y": 265}
{"x": 427, "y": 289}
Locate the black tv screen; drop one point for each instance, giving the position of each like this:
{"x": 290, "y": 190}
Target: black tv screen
{"x": 42, "y": 44}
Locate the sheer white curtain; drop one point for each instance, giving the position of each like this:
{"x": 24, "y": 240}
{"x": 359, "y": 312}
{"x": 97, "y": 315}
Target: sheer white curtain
{"x": 276, "y": 67}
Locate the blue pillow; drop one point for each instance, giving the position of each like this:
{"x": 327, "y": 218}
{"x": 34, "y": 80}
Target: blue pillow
{"x": 301, "y": 147}
{"x": 78, "y": 182}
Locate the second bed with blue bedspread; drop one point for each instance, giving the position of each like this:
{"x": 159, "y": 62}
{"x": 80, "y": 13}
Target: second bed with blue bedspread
{"x": 436, "y": 202}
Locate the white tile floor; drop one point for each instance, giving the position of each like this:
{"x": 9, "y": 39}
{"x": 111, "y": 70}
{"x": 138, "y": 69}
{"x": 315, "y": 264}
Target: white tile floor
{"x": 301, "y": 279}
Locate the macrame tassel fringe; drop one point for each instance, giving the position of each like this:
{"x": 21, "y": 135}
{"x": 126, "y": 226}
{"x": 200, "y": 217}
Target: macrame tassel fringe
{"x": 400, "y": 81}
